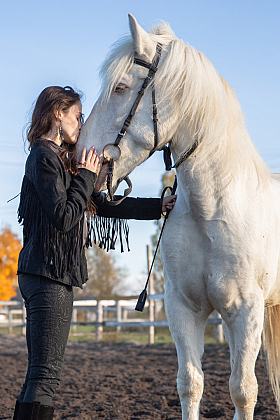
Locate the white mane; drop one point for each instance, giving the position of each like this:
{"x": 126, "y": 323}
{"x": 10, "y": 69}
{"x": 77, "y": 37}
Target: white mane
{"x": 204, "y": 99}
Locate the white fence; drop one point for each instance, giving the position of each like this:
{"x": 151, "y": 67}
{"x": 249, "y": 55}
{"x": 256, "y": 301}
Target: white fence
{"x": 12, "y": 314}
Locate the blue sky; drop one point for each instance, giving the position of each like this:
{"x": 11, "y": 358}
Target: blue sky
{"x": 64, "y": 42}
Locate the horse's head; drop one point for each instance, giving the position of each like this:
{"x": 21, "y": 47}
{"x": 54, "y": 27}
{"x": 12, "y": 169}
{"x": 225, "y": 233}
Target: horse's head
{"x": 122, "y": 79}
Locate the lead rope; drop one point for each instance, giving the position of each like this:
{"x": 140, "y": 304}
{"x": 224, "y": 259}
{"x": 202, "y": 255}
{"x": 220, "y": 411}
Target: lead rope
{"x": 168, "y": 164}
{"x": 143, "y": 295}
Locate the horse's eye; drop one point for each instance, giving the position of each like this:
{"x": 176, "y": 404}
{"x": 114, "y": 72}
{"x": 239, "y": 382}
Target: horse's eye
{"x": 120, "y": 88}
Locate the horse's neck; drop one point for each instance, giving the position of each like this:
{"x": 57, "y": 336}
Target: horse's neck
{"x": 213, "y": 174}
{"x": 202, "y": 185}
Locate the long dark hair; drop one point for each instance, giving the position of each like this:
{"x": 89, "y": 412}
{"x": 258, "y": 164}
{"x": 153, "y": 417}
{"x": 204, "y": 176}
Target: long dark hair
{"x": 51, "y": 99}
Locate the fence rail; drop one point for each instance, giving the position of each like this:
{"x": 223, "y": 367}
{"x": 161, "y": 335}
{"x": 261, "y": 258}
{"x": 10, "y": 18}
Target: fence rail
{"x": 12, "y": 315}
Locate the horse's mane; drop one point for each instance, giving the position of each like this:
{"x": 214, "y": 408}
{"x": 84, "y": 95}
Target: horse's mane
{"x": 204, "y": 100}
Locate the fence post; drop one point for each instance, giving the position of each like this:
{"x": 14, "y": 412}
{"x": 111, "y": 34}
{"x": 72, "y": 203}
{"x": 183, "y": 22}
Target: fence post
{"x": 118, "y": 315}
{"x": 219, "y": 334}
{"x": 99, "y": 318}
{"x": 155, "y": 308}
{"x": 151, "y": 302}
{"x": 124, "y": 314}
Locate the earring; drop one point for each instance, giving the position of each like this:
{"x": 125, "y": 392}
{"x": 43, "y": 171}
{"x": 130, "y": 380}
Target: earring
{"x": 61, "y": 133}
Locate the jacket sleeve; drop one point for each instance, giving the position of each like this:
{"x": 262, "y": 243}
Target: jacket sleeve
{"x": 130, "y": 208}
{"x": 63, "y": 207}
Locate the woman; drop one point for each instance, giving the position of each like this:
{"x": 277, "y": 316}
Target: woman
{"x": 56, "y": 192}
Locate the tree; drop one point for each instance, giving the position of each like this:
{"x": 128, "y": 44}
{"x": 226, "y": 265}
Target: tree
{"x": 106, "y": 280}
{"x": 10, "y": 247}
{"x": 166, "y": 180}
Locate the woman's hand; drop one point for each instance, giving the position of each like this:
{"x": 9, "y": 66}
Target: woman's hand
{"x": 168, "y": 202}
{"x": 90, "y": 161}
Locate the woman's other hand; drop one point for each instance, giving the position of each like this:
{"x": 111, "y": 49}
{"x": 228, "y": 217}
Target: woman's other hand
{"x": 90, "y": 161}
{"x": 168, "y": 202}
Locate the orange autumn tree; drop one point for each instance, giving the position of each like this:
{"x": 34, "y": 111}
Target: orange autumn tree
{"x": 10, "y": 246}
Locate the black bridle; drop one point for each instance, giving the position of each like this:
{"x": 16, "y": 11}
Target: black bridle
{"x": 152, "y": 67}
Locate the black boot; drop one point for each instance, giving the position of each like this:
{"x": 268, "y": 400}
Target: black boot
{"x": 46, "y": 412}
{"x": 16, "y": 410}
{"x": 34, "y": 411}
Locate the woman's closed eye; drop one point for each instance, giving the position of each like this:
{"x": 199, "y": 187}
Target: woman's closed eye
{"x": 81, "y": 118}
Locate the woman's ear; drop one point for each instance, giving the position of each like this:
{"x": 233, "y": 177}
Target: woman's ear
{"x": 57, "y": 114}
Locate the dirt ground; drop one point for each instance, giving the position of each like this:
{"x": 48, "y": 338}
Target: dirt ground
{"x": 128, "y": 381}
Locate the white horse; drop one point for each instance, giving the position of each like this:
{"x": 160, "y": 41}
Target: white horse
{"x": 220, "y": 248}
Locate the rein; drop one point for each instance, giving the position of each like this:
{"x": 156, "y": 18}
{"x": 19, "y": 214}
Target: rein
{"x": 143, "y": 295}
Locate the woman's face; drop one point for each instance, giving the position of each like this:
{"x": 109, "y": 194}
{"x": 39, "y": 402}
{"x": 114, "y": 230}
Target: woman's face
{"x": 71, "y": 123}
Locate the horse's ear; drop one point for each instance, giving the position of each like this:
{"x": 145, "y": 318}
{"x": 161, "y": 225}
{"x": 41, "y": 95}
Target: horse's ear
{"x": 143, "y": 44}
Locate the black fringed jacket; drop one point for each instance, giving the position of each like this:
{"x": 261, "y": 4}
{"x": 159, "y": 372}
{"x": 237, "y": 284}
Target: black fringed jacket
{"x": 51, "y": 209}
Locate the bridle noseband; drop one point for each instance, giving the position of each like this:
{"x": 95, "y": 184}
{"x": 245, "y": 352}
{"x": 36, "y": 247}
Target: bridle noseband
{"x": 152, "y": 67}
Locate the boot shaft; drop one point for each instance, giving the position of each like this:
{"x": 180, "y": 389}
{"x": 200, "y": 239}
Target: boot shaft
{"x": 16, "y": 410}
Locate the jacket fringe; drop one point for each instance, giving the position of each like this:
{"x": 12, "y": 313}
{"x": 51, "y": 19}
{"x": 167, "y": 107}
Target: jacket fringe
{"x": 61, "y": 250}
{"x": 105, "y": 232}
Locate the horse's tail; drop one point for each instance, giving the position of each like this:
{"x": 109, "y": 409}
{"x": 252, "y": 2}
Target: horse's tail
{"x": 271, "y": 343}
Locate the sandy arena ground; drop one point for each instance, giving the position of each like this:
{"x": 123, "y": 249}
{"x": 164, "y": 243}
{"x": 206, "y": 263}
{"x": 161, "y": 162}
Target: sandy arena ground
{"x": 128, "y": 382}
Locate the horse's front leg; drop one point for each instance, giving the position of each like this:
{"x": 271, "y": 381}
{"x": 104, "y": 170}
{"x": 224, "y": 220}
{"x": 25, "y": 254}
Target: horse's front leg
{"x": 187, "y": 327}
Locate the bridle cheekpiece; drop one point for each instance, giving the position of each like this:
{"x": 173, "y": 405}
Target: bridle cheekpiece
{"x": 152, "y": 67}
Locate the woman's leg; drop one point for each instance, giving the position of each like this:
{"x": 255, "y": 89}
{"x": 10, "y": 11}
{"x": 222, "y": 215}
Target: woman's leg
{"x": 49, "y": 311}
{"x": 21, "y": 395}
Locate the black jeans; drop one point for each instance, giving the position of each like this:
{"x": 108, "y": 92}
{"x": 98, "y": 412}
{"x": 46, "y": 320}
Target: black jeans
{"x": 49, "y": 310}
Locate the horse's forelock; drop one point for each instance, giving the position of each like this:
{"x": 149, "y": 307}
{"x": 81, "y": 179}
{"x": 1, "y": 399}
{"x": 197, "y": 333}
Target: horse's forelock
{"x": 120, "y": 58}
{"x": 117, "y": 63}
